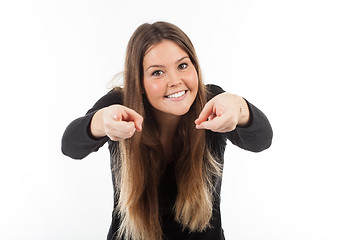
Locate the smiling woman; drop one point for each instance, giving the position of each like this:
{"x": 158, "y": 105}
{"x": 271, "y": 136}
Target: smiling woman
{"x": 170, "y": 81}
{"x": 167, "y": 132}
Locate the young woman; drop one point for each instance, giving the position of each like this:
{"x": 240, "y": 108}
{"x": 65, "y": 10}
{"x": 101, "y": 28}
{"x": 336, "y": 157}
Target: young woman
{"x": 167, "y": 133}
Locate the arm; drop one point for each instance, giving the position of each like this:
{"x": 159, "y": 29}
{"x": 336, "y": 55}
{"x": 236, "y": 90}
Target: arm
{"x": 78, "y": 141}
{"x": 107, "y": 119}
{"x": 256, "y": 136}
{"x": 240, "y": 121}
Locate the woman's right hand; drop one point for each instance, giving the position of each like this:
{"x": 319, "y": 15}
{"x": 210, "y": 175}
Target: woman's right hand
{"x": 116, "y": 121}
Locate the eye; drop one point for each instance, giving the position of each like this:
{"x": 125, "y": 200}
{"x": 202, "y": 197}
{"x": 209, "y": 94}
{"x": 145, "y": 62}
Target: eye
{"x": 183, "y": 66}
{"x": 157, "y": 73}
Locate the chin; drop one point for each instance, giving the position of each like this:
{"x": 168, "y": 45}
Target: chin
{"x": 180, "y": 112}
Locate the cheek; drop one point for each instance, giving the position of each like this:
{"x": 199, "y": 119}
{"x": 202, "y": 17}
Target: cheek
{"x": 153, "y": 88}
{"x": 192, "y": 79}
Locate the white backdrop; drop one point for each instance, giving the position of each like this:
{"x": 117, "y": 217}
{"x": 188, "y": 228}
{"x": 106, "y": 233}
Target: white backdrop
{"x": 56, "y": 58}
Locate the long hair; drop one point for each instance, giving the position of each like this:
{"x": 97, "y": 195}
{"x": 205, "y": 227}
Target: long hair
{"x": 142, "y": 156}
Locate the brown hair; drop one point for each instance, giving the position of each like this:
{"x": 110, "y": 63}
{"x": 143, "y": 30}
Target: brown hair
{"x": 142, "y": 155}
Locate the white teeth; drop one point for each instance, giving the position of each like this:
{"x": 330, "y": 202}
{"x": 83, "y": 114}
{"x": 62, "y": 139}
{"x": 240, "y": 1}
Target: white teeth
{"x": 176, "y": 95}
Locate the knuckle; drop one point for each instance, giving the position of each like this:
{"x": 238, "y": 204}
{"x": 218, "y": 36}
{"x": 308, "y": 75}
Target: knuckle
{"x": 231, "y": 128}
{"x": 212, "y": 126}
{"x": 231, "y": 121}
{"x": 110, "y": 134}
{"x": 129, "y": 129}
{"x": 114, "y": 138}
{"x": 106, "y": 125}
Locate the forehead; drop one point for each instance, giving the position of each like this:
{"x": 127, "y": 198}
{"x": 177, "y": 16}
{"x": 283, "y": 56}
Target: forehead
{"x": 165, "y": 51}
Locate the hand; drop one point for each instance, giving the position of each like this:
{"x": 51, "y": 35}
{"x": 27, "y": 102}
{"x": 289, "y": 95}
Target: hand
{"x": 223, "y": 113}
{"x": 117, "y": 122}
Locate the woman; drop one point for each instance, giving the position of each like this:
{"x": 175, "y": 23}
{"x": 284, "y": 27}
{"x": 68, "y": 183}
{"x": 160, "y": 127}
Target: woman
{"x": 167, "y": 133}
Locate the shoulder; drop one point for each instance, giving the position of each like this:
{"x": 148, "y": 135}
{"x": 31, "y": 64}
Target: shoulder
{"x": 114, "y": 96}
{"x": 213, "y": 90}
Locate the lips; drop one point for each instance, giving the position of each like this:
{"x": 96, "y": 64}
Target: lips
{"x": 177, "y": 94}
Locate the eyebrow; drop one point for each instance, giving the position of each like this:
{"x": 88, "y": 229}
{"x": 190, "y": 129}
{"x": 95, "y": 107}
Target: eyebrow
{"x": 162, "y": 66}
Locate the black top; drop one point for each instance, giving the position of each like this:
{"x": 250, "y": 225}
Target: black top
{"x": 77, "y": 143}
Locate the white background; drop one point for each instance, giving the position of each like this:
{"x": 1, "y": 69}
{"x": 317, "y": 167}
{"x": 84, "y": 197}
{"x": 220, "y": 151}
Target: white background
{"x": 56, "y": 58}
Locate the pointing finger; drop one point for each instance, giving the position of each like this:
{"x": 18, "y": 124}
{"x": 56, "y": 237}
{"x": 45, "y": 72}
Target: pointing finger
{"x": 206, "y": 112}
{"x": 132, "y": 116}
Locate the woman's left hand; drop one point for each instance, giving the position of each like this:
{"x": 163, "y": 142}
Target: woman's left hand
{"x": 223, "y": 113}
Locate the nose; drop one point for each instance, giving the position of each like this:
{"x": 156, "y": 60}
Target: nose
{"x": 174, "y": 79}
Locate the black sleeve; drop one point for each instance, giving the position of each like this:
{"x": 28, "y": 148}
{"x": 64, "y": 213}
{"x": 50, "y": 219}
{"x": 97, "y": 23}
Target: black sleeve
{"x": 77, "y": 141}
{"x": 256, "y": 136}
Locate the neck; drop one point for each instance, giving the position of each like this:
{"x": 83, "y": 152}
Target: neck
{"x": 167, "y": 123}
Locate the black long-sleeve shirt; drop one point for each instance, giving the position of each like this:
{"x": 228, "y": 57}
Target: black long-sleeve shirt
{"x": 77, "y": 143}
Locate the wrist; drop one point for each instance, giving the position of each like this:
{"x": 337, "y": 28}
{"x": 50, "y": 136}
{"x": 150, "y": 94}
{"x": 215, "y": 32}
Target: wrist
{"x": 96, "y": 125}
{"x": 244, "y": 113}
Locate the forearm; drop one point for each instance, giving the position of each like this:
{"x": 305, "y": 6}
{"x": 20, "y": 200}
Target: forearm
{"x": 256, "y": 135}
{"x": 85, "y": 134}
{"x": 77, "y": 141}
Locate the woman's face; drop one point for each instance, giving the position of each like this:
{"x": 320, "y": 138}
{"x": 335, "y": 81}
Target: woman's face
{"x": 170, "y": 79}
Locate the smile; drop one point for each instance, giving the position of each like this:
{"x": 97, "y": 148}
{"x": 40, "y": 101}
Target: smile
{"x": 176, "y": 95}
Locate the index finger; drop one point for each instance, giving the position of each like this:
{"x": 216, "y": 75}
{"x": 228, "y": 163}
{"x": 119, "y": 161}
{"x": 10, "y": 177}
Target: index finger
{"x": 206, "y": 112}
{"x": 131, "y": 115}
